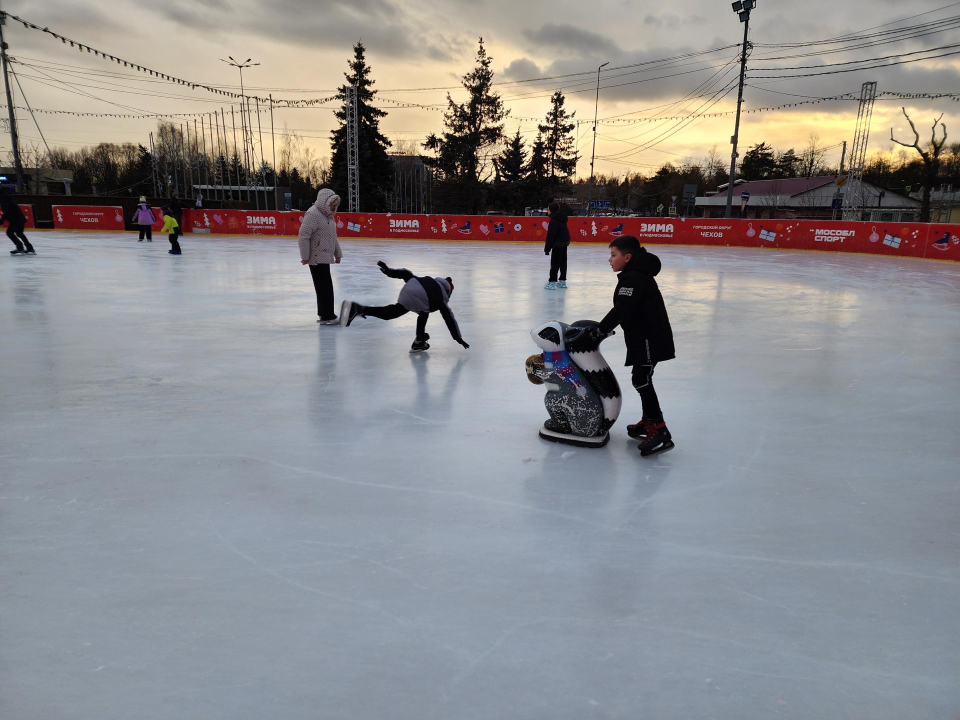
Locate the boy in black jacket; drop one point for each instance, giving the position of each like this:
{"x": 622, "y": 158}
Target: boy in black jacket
{"x": 558, "y": 238}
{"x": 638, "y": 308}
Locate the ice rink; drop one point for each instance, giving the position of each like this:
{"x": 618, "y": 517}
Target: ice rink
{"x": 212, "y": 508}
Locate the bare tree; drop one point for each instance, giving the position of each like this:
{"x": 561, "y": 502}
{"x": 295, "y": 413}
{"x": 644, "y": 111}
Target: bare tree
{"x": 773, "y": 201}
{"x": 811, "y": 159}
{"x": 930, "y": 157}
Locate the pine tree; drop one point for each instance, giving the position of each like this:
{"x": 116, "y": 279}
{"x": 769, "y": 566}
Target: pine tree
{"x": 758, "y": 163}
{"x": 538, "y": 174}
{"x": 375, "y": 167}
{"x": 471, "y": 128}
{"x": 510, "y": 165}
{"x": 557, "y": 131}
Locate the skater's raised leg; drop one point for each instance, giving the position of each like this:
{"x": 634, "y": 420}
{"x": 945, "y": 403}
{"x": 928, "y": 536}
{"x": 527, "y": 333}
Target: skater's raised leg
{"x": 387, "y": 312}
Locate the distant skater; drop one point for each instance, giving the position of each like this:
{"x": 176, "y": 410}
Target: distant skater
{"x": 558, "y": 239}
{"x": 144, "y": 219}
{"x": 172, "y": 228}
{"x": 422, "y": 295}
{"x": 16, "y": 221}
{"x": 319, "y": 248}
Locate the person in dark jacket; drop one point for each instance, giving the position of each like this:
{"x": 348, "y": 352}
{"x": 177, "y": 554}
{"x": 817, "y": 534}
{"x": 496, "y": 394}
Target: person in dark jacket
{"x": 639, "y": 310}
{"x": 16, "y": 221}
{"x": 176, "y": 210}
{"x": 558, "y": 239}
{"x": 422, "y": 295}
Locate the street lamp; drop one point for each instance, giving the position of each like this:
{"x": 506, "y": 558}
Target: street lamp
{"x": 742, "y": 8}
{"x": 593, "y": 153}
{"x": 243, "y": 120}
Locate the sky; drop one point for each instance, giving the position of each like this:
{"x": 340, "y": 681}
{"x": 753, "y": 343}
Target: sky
{"x": 303, "y": 47}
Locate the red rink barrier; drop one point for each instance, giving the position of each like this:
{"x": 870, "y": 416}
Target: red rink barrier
{"x": 87, "y": 217}
{"x": 921, "y": 240}
{"x": 28, "y": 213}
{"x": 235, "y": 222}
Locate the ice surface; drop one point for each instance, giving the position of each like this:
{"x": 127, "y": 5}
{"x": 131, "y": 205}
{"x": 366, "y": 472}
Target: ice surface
{"x": 213, "y": 508}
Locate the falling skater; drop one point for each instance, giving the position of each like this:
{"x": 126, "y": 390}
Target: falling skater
{"x": 16, "y": 221}
{"x": 422, "y": 295}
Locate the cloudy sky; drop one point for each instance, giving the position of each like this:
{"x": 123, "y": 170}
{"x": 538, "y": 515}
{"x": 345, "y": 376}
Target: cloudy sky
{"x": 303, "y": 47}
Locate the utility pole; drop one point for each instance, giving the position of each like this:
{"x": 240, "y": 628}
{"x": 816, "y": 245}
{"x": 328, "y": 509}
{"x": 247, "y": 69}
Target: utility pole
{"x": 593, "y": 153}
{"x": 14, "y": 137}
{"x": 743, "y": 10}
{"x": 843, "y": 156}
{"x": 273, "y": 143}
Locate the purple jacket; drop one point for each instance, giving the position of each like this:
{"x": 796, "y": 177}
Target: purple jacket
{"x": 144, "y": 215}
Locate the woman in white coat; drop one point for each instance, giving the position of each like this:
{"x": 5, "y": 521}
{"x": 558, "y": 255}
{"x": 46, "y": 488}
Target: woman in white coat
{"x": 319, "y": 248}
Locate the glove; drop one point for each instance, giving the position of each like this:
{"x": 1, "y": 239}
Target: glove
{"x": 464, "y": 343}
{"x": 546, "y": 252}
{"x": 382, "y": 265}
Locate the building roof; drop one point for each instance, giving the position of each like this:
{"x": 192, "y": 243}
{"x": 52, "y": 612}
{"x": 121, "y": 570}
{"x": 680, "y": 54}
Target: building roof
{"x": 785, "y": 186}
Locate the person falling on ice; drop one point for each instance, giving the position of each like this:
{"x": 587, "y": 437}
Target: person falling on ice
{"x": 422, "y": 295}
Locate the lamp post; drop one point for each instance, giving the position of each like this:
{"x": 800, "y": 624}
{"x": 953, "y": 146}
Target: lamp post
{"x": 243, "y": 123}
{"x": 593, "y": 152}
{"x": 742, "y": 8}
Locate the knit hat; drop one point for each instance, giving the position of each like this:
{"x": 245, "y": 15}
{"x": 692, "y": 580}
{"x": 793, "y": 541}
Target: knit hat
{"x": 143, "y": 198}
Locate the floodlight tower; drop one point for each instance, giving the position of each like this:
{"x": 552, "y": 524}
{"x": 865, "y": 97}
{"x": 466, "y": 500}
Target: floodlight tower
{"x": 742, "y": 8}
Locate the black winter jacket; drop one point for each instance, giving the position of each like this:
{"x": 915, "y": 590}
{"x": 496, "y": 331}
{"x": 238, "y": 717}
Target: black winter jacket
{"x": 557, "y": 233}
{"x": 638, "y": 308}
{"x": 11, "y": 210}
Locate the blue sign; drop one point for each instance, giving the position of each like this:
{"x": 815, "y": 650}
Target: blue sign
{"x": 599, "y": 203}
{"x": 744, "y": 195}
{"x": 837, "y": 204}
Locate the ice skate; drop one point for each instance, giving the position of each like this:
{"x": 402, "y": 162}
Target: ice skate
{"x": 562, "y": 284}
{"x": 550, "y": 286}
{"x": 18, "y": 251}
{"x": 419, "y": 346}
{"x": 640, "y": 430}
{"x": 349, "y": 311}
{"x": 332, "y": 321}
{"x": 658, "y": 439}
{"x": 30, "y": 251}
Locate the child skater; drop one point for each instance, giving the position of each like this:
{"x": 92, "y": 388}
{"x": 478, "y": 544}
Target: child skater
{"x": 638, "y": 308}
{"x": 558, "y": 238}
{"x": 171, "y": 226}
{"x": 422, "y": 295}
{"x": 144, "y": 219}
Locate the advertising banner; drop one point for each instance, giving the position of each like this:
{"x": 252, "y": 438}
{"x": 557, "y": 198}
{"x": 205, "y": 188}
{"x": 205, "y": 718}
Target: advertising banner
{"x": 234, "y": 222}
{"x": 87, "y": 217}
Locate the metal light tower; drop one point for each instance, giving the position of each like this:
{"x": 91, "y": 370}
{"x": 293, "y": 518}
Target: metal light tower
{"x": 353, "y": 149}
{"x": 14, "y": 138}
{"x": 742, "y": 8}
{"x": 855, "y": 203}
{"x": 243, "y": 120}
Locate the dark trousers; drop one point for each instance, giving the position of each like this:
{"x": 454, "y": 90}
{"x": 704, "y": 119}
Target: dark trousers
{"x": 146, "y": 230}
{"x": 323, "y": 284}
{"x": 558, "y": 262}
{"x": 15, "y": 233}
{"x": 174, "y": 245}
{"x": 392, "y": 312}
{"x": 643, "y": 382}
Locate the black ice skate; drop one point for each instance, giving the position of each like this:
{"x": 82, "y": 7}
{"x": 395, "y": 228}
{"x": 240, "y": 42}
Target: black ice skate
{"x": 348, "y": 311}
{"x": 30, "y": 251}
{"x": 658, "y": 439}
{"x": 18, "y": 251}
{"x": 640, "y": 430}
{"x": 419, "y": 345}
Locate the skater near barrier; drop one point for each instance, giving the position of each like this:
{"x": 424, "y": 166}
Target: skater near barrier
{"x": 422, "y": 295}
{"x": 16, "y": 221}
{"x": 638, "y": 308}
{"x": 144, "y": 219}
{"x": 558, "y": 239}
{"x": 172, "y": 227}
{"x": 319, "y": 248}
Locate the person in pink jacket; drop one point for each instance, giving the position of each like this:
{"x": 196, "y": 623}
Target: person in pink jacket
{"x": 144, "y": 219}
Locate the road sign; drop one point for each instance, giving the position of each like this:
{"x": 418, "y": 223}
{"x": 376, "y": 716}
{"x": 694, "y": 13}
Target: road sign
{"x": 689, "y": 194}
{"x": 673, "y": 210}
{"x": 745, "y": 196}
{"x": 599, "y": 203}
{"x": 837, "y": 204}
{"x": 908, "y": 188}
{"x": 660, "y": 209}
{"x": 841, "y": 181}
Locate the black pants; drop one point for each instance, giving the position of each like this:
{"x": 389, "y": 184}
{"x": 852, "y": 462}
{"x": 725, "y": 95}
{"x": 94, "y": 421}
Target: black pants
{"x": 558, "y": 262}
{"x": 643, "y": 382}
{"x": 174, "y": 245}
{"x": 15, "y": 233}
{"x": 146, "y": 230}
{"x": 323, "y": 284}
{"x": 392, "y": 312}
